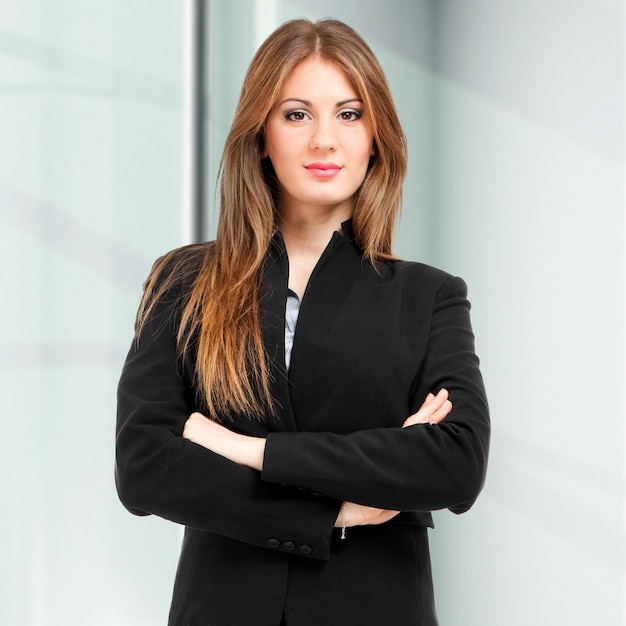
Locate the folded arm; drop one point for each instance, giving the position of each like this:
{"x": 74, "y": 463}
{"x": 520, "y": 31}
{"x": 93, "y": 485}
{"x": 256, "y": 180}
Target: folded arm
{"x": 250, "y": 451}
{"x": 159, "y": 472}
{"x": 420, "y": 467}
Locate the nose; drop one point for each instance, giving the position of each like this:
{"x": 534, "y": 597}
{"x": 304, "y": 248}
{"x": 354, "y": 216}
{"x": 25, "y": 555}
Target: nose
{"x": 323, "y": 137}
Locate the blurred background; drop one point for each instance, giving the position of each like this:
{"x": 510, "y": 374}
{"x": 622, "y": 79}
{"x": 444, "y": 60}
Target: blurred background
{"x": 514, "y": 113}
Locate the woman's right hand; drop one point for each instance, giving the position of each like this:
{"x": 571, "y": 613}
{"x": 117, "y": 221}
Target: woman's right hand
{"x": 433, "y": 410}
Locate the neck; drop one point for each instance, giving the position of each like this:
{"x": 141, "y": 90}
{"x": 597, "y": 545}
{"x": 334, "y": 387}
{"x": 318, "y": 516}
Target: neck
{"x": 306, "y": 238}
{"x": 309, "y": 239}
{"x": 310, "y": 233}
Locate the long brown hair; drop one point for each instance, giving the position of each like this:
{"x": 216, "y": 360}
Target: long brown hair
{"x": 220, "y": 315}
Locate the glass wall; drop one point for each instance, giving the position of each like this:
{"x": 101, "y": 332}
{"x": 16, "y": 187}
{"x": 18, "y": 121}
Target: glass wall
{"x": 90, "y": 195}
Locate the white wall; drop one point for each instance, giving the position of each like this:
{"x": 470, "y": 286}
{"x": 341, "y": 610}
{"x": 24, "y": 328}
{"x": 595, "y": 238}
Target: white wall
{"x": 529, "y": 201}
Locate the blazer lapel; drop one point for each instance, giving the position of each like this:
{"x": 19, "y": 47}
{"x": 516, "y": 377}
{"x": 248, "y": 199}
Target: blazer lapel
{"x": 273, "y": 301}
{"x": 324, "y": 307}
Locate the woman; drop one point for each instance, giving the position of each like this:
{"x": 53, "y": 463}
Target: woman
{"x": 285, "y": 393}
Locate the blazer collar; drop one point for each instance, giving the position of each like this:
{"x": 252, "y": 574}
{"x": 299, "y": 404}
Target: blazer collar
{"x": 323, "y": 305}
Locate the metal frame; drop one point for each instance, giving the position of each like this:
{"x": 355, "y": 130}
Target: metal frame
{"x": 194, "y": 155}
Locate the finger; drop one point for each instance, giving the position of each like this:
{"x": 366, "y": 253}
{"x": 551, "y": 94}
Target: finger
{"x": 373, "y": 516}
{"x": 437, "y": 402}
{"x": 387, "y": 514}
{"x": 442, "y": 396}
{"x": 433, "y": 405}
{"x": 441, "y": 413}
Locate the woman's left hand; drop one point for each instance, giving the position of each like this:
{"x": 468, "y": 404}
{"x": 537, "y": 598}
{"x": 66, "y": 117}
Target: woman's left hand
{"x": 241, "y": 449}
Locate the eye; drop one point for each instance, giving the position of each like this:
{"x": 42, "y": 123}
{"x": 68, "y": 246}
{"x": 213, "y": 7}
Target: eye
{"x": 350, "y": 115}
{"x": 297, "y": 115}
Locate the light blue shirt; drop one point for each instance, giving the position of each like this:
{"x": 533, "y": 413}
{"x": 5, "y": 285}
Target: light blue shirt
{"x": 291, "y": 319}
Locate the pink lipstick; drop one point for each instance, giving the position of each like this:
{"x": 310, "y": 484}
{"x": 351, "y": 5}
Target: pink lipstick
{"x": 323, "y": 170}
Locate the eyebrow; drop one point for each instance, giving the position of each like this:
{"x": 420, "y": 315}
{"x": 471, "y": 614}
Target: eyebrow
{"x": 308, "y": 104}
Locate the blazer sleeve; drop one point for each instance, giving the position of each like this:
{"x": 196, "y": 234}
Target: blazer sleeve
{"x": 158, "y": 472}
{"x": 420, "y": 468}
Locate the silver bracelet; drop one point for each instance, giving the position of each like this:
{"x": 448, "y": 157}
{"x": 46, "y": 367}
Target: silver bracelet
{"x": 343, "y": 520}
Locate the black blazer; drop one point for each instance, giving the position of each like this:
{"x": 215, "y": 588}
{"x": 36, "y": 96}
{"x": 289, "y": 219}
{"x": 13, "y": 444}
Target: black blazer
{"x": 369, "y": 346}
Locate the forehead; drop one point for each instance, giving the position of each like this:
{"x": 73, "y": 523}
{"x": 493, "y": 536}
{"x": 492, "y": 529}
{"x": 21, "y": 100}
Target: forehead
{"x": 318, "y": 76}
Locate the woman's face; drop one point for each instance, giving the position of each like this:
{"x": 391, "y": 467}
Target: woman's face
{"x": 319, "y": 140}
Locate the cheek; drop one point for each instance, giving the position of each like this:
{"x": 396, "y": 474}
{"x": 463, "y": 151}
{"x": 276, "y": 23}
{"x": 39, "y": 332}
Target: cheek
{"x": 278, "y": 147}
{"x": 368, "y": 151}
{"x": 364, "y": 145}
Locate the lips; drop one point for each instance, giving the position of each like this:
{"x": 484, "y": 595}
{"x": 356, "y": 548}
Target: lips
{"x": 323, "y": 170}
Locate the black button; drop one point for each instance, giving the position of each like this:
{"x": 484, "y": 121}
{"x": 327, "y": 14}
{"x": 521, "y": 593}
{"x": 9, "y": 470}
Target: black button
{"x": 289, "y": 546}
{"x": 273, "y": 543}
{"x": 305, "y": 548}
